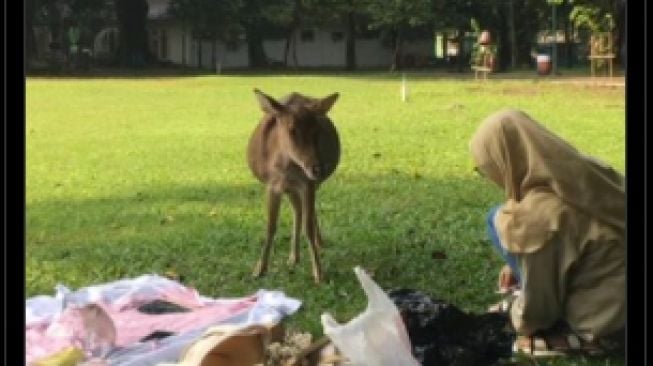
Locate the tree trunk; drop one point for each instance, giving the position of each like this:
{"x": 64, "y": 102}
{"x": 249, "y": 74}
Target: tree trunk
{"x": 199, "y": 53}
{"x": 461, "y": 58}
{"x": 620, "y": 25}
{"x": 55, "y": 26}
{"x": 132, "y": 19}
{"x": 396, "y": 58}
{"x": 286, "y": 49}
{"x": 291, "y": 42}
{"x": 294, "y": 52}
{"x": 568, "y": 44}
{"x": 255, "y": 50}
{"x": 350, "y": 51}
{"x": 30, "y": 39}
{"x": 183, "y": 47}
{"x": 213, "y": 59}
{"x": 513, "y": 37}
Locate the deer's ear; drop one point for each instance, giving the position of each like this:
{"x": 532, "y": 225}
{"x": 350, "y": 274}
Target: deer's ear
{"x": 268, "y": 104}
{"x": 323, "y": 105}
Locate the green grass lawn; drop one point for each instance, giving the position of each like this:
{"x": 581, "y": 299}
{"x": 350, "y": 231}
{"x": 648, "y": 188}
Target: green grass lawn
{"x": 133, "y": 176}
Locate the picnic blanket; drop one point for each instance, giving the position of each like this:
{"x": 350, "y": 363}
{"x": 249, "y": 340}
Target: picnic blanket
{"x": 53, "y": 323}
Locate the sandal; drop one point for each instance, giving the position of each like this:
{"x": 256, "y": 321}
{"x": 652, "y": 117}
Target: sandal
{"x": 555, "y": 345}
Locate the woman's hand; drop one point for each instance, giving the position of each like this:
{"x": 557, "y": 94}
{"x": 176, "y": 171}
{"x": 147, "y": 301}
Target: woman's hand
{"x": 507, "y": 280}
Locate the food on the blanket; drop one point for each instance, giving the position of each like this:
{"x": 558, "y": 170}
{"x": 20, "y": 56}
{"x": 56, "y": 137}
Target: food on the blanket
{"x": 69, "y": 356}
{"x": 297, "y": 349}
{"x": 280, "y": 353}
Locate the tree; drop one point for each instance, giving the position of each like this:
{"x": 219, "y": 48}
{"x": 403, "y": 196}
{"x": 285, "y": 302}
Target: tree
{"x": 601, "y": 16}
{"x": 90, "y": 15}
{"x": 293, "y": 14}
{"x": 132, "y": 20}
{"x": 592, "y": 17}
{"x": 252, "y": 17}
{"x": 353, "y": 14}
{"x": 399, "y": 17}
{"x": 208, "y": 19}
{"x": 30, "y": 39}
{"x": 286, "y": 17}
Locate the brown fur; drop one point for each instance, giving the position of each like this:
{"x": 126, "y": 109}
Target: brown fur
{"x": 292, "y": 151}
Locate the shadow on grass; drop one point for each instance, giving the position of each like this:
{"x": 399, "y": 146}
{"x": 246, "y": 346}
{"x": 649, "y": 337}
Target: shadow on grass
{"x": 395, "y": 225}
{"x": 408, "y": 231}
{"x": 380, "y": 74}
{"x": 121, "y": 73}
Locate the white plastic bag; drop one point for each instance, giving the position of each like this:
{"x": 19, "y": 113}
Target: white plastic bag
{"x": 377, "y": 336}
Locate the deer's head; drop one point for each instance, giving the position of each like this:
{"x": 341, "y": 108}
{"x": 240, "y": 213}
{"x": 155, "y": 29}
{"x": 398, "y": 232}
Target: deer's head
{"x": 297, "y": 127}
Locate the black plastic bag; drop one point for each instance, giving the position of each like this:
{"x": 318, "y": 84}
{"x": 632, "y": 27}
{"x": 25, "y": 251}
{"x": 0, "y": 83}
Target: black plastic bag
{"x": 441, "y": 334}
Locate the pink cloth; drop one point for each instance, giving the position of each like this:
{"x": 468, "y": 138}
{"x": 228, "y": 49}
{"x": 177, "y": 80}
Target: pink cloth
{"x": 44, "y": 339}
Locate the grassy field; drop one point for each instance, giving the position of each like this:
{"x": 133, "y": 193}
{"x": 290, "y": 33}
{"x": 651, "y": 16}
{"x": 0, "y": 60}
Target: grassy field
{"x": 133, "y": 176}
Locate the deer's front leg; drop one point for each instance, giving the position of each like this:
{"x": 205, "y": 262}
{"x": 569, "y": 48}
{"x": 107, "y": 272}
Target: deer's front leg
{"x": 273, "y": 204}
{"x": 308, "y": 203}
{"x": 318, "y": 236}
{"x": 296, "y": 202}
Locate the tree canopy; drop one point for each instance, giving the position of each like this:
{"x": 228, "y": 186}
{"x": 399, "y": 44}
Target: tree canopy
{"x": 513, "y": 23}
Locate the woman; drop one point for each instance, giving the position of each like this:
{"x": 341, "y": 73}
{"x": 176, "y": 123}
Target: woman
{"x": 562, "y": 233}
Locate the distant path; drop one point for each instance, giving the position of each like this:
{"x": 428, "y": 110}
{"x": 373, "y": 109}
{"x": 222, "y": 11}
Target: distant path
{"x": 619, "y": 81}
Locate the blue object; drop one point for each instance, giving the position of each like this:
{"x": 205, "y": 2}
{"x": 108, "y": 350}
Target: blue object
{"x": 508, "y": 257}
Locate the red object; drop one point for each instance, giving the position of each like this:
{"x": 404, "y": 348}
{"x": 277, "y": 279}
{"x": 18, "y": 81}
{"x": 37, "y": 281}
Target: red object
{"x": 484, "y": 38}
{"x": 543, "y": 64}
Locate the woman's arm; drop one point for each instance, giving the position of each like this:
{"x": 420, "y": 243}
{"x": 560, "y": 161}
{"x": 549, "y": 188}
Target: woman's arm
{"x": 538, "y": 305}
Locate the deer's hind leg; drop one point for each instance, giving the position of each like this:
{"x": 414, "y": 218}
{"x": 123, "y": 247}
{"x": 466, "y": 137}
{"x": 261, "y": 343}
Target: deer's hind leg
{"x": 273, "y": 205}
{"x": 296, "y": 202}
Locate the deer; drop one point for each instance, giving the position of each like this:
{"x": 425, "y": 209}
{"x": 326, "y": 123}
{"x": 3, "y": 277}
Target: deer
{"x": 293, "y": 149}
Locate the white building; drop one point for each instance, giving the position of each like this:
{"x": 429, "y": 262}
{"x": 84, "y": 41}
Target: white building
{"x": 314, "y": 47}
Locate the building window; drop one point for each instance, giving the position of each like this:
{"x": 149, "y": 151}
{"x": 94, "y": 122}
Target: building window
{"x": 337, "y": 36}
{"x": 307, "y": 35}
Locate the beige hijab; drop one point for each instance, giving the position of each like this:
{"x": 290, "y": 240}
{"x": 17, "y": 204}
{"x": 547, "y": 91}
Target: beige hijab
{"x": 545, "y": 180}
